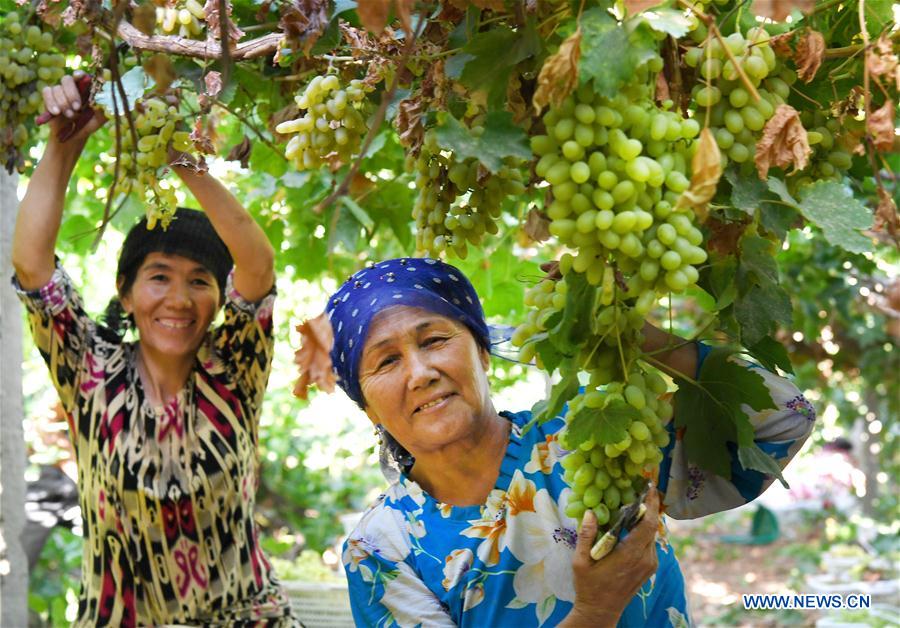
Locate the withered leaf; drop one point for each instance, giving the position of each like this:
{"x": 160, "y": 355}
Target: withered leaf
{"x": 515, "y": 103}
{"x": 778, "y": 10}
{"x": 810, "y": 52}
{"x": 559, "y": 74}
{"x": 159, "y": 67}
{"x": 241, "y": 152}
{"x": 201, "y": 139}
{"x": 143, "y": 17}
{"x": 781, "y": 44}
{"x": 404, "y": 12}
{"x": 662, "y": 88}
{"x": 537, "y": 225}
{"x": 373, "y": 14}
{"x": 490, "y": 5}
{"x": 724, "y": 236}
{"x": 213, "y": 82}
{"x": 214, "y": 20}
{"x": 636, "y": 6}
{"x": 783, "y": 142}
{"x": 303, "y": 22}
{"x": 313, "y": 358}
{"x": 706, "y": 170}
{"x": 887, "y": 219}
{"x": 880, "y": 125}
{"x": 409, "y": 123}
{"x": 883, "y": 62}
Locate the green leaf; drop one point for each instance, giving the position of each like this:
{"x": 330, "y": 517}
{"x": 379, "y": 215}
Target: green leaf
{"x": 493, "y": 55}
{"x": 747, "y": 192}
{"x": 832, "y": 207}
{"x": 264, "y": 159}
{"x": 134, "y": 82}
{"x": 771, "y": 354}
{"x": 752, "y": 457}
{"x": 778, "y": 186}
{"x": 501, "y": 139}
{"x": 721, "y": 281}
{"x": 358, "y": 212}
{"x": 778, "y": 218}
{"x": 757, "y": 260}
{"x": 78, "y": 232}
{"x": 760, "y": 310}
{"x": 611, "y": 52}
{"x": 669, "y": 21}
{"x": 568, "y": 334}
{"x": 712, "y": 412}
{"x": 562, "y": 392}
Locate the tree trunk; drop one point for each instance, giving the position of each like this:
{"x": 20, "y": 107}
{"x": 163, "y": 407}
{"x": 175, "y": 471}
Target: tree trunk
{"x": 13, "y": 564}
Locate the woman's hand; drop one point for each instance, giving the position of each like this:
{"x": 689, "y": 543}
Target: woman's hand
{"x": 604, "y": 588}
{"x": 65, "y": 104}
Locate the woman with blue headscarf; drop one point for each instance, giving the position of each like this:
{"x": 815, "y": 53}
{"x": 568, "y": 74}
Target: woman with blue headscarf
{"x": 473, "y": 530}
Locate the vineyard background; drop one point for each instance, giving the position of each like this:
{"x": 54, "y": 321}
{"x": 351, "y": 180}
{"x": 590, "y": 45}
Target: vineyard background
{"x": 803, "y": 269}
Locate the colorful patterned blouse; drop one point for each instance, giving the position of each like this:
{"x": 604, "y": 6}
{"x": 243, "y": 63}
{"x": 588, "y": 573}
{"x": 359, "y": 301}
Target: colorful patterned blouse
{"x": 167, "y": 493}
{"x": 414, "y": 561}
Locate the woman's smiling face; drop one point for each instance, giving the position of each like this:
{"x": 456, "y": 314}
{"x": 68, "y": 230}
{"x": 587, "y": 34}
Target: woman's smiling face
{"x": 424, "y": 378}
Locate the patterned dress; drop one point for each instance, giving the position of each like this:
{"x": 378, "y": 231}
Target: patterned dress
{"x": 415, "y": 561}
{"x": 167, "y": 493}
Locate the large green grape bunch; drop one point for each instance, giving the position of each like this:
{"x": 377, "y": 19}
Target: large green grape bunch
{"x": 617, "y": 168}
{"x": 458, "y": 201}
{"x": 183, "y": 17}
{"x": 332, "y": 126}
{"x": 604, "y": 472}
{"x": 27, "y": 64}
{"x": 141, "y": 168}
{"x": 722, "y": 98}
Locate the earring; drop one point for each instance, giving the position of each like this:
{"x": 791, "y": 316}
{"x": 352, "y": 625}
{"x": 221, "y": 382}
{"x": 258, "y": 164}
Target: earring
{"x": 379, "y": 434}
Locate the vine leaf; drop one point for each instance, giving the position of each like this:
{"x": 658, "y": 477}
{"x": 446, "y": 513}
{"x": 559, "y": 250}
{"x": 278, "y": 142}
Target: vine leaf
{"x": 636, "y": 6}
{"x": 882, "y": 61}
{"x": 886, "y": 216}
{"x": 303, "y": 22}
{"x": 501, "y": 139}
{"x": 604, "y": 425}
{"x": 783, "y": 142}
{"x": 778, "y": 10}
{"x": 880, "y": 124}
{"x": 559, "y": 74}
{"x": 610, "y": 52}
{"x": 832, "y": 207}
{"x": 810, "y": 52}
{"x": 669, "y": 21}
{"x": 771, "y": 354}
{"x": 707, "y": 170}
{"x": 373, "y": 14}
{"x": 214, "y": 21}
{"x": 537, "y": 225}
{"x": 313, "y": 358}
{"x": 135, "y": 82}
{"x": 488, "y": 59}
{"x": 712, "y": 413}
{"x": 550, "y": 408}
{"x": 761, "y": 303}
{"x": 747, "y": 192}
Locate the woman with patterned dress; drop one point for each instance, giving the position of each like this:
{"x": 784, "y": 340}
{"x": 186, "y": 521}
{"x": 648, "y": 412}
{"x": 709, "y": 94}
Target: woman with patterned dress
{"x": 165, "y": 428}
{"x": 473, "y": 530}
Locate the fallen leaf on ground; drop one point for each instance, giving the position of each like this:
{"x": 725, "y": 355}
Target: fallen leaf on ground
{"x": 783, "y": 142}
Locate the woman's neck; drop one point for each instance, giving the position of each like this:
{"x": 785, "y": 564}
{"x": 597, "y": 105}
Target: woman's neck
{"x": 162, "y": 378}
{"x": 465, "y": 473}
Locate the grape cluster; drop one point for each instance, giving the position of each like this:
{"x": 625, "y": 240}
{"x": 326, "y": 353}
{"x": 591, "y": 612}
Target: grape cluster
{"x": 734, "y": 118}
{"x": 829, "y": 160}
{"x": 141, "y": 167}
{"x": 617, "y": 168}
{"x": 182, "y": 18}
{"x": 27, "y": 65}
{"x": 545, "y": 299}
{"x": 332, "y": 126}
{"x": 606, "y": 475}
{"x": 459, "y": 200}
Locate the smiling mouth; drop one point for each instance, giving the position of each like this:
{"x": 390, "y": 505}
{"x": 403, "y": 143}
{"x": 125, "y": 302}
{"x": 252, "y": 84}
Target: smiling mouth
{"x": 175, "y": 324}
{"x": 436, "y": 402}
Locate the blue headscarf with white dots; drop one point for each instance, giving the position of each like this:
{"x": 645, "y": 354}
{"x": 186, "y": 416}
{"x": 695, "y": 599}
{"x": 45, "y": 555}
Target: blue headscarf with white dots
{"x": 416, "y": 282}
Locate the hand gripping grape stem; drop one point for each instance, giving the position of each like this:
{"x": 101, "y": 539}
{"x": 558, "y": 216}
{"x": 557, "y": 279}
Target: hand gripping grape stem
{"x": 83, "y": 83}
{"x": 628, "y": 517}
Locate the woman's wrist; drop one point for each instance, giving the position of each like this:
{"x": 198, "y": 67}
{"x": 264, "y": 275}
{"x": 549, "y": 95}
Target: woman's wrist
{"x": 678, "y": 355}
{"x": 585, "y": 617}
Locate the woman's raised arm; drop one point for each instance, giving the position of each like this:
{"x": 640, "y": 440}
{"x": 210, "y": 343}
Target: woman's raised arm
{"x": 254, "y": 257}
{"x": 40, "y": 212}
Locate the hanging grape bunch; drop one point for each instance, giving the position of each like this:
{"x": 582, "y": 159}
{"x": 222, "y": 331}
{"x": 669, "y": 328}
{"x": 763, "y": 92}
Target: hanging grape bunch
{"x": 27, "y": 65}
{"x": 617, "y": 168}
{"x": 141, "y": 168}
{"x": 183, "y": 17}
{"x": 829, "y": 160}
{"x": 332, "y": 126}
{"x": 458, "y": 201}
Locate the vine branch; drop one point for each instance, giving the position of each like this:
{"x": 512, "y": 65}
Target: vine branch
{"x": 210, "y": 50}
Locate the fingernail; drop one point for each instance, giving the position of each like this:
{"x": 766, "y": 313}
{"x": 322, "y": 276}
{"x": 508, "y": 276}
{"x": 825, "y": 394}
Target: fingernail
{"x": 54, "y": 110}
{"x": 76, "y": 106}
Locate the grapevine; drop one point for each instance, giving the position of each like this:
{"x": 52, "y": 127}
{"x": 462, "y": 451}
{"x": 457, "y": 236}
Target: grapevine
{"x": 184, "y": 18}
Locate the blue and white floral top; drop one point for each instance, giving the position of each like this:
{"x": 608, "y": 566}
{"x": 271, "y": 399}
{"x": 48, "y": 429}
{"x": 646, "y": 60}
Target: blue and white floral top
{"x": 414, "y": 561}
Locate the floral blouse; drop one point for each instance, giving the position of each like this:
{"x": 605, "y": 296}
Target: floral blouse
{"x": 414, "y": 561}
{"x": 167, "y": 493}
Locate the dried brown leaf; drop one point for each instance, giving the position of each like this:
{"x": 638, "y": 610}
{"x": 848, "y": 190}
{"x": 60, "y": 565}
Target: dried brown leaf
{"x": 313, "y": 358}
{"x": 213, "y": 81}
{"x": 409, "y": 124}
{"x": 706, "y": 170}
{"x": 373, "y": 14}
{"x": 201, "y": 138}
{"x": 636, "y": 6}
{"x": 537, "y": 225}
{"x": 662, "y": 88}
{"x": 490, "y": 5}
{"x": 404, "y": 13}
{"x": 559, "y": 74}
{"x": 159, "y": 67}
{"x": 303, "y": 22}
{"x": 778, "y": 10}
{"x": 810, "y": 52}
{"x": 783, "y": 142}
{"x": 781, "y": 44}
{"x": 241, "y": 152}
{"x": 143, "y": 18}
{"x": 883, "y": 62}
{"x": 880, "y": 125}
{"x": 515, "y": 102}
{"x": 887, "y": 220}
{"x": 724, "y": 236}
{"x": 214, "y": 20}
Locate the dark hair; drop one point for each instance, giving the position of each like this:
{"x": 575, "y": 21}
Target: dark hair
{"x": 190, "y": 235}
